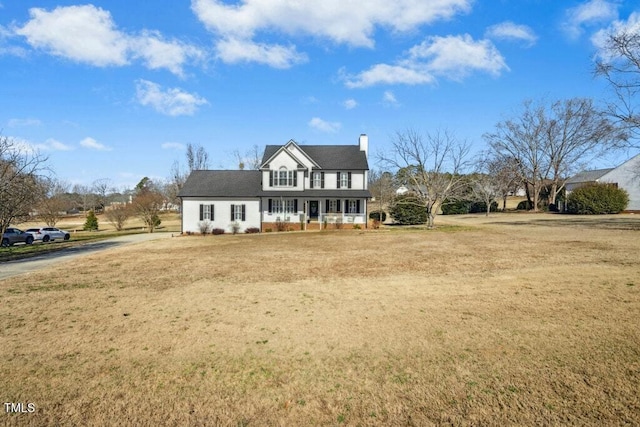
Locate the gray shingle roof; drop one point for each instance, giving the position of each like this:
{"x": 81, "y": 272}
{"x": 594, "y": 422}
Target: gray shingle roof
{"x": 588, "y": 176}
{"x": 331, "y": 157}
{"x": 242, "y": 184}
{"x": 222, "y": 183}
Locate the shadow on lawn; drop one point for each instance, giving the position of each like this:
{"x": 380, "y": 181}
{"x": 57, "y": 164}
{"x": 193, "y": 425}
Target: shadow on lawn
{"x": 594, "y": 222}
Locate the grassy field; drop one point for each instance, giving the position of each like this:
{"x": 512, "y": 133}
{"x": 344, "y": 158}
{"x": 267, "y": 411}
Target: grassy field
{"x": 515, "y": 319}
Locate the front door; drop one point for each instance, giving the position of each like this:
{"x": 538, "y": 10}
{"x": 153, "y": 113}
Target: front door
{"x": 313, "y": 209}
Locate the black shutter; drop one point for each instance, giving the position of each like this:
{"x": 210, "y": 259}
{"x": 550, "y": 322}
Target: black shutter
{"x": 339, "y": 205}
{"x": 311, "y": 180}
{"x": 201, "y": 212}
{"x": 233, "y": 207}
{"x": 270, "y": 178}
{"x": 244, "y": 212}
{"x": 338, "y": 181}
{"x": 357, "y": 206}
{"x": 295, "y": 178}
{"x": 321, "y": 179}
{"x": 349, "y": 182}
{"x": 295, "y": 205}
{"x": 270, "y": 205}
{"x": 212, "y": 216}
{"x": 326, "y": 206}
{"x": 346, "y": 206}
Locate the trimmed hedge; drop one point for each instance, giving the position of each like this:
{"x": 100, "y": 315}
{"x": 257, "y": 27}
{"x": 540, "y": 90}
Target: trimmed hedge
{"x": 466, "y": 206}
{"x": 375, "y": 215}
{"x": 407, "y": 210}
{"x": 597, "y": 199}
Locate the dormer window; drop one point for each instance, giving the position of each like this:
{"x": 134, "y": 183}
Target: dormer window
{"x": 283, "y": 178}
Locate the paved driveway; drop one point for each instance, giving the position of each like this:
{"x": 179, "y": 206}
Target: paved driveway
{"x": 14, "y": 268}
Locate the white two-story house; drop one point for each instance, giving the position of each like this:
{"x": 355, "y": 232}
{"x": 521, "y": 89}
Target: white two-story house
{"x": 297, "y": 187}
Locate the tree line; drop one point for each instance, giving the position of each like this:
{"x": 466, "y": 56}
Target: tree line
{"x": 536, "y": 149}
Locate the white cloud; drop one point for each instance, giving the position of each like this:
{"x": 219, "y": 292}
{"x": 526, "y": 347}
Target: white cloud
{"x": 324, "y": 126}
{"x": 389, "y": 99}
{"x": 589, "y": 13}
{"x": 412, "y": 74}
{"x": 23, "y": 122}
{"x": 342, "y": 22}
{"x": 92, "y": 144}
{"x": 453, "y": 57}
{"x": 600, "y": 38}
{"x": 173, "y": 146}
{"x": 25, "y": 146}
{"x": 350, "y": 104}
{"x": 510, "y": 31}
{"x": 59, "y": 31}
{"x": 233, "y": 51}
{"x": 53, "y": 144}
{"x": 172, "y": 102}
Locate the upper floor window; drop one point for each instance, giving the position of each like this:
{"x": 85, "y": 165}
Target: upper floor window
{"x": 317, "y": 180}
{"x": 344, "y": 180}
{"x": 283, "y": 178}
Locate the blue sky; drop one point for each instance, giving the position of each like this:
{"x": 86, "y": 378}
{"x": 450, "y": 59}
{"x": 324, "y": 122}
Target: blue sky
{"x": 116, "y": 89}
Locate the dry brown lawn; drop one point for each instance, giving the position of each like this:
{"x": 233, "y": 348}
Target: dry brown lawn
{"x": 515, "y": 319}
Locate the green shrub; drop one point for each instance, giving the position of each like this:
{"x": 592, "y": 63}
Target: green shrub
{"x": 455, "y": 207}
{"x": 597, "y": 199}
{"x": 481, "y": 207}
{"x": 91, "y": 223}
{"x": 375, "y": 215}
{"x": 524, "y": 205}
{"x": 407, "y": 209}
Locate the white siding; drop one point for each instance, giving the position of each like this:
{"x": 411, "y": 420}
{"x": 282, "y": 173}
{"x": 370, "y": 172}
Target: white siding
{"x": 222, "y": 213}
{"x": 627, "y": 176}
{"x": 283, "y": 160}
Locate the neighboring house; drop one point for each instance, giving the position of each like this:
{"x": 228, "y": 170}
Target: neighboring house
{"x": 304, "y": 186}
{"x": 625, "y": 176}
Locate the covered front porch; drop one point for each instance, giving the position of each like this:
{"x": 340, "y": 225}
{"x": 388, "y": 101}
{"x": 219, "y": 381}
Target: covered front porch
{"x": 295, "y": 213}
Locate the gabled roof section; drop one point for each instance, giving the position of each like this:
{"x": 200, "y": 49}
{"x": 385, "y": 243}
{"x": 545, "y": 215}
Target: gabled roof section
{"x": 222, "y": 183}
{"x": 271, "y": 151}
{"x": 331, "y": 157}
{"x": 588, "y": 176}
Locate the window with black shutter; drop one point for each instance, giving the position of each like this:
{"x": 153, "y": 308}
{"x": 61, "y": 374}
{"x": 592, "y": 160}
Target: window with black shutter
{"x": 201, "y": 212}
{"x": 338, "y": 180}
{"x": 349, "y": 180}
{"x": 270, "y": 205}
{"x": 321, "y": 179}
{"x": 233, "y": 210}
{"x": 244, "y": 212}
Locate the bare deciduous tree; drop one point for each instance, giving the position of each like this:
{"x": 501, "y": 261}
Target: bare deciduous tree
{"x": 20, "y": 188}
{"x": 197, "y": 157}
{"x": 54, "y": 202}
{"x": 576, "y": 132}
{"x": 250, "y": 160}
{"x": 522, "y": 138}
{"x": 381, "y": 186}
{"x": 101, "y": 189}
{"x": 548, "y": 142}
{"x": 432, "y": 166}
{"x": 619, "y": 64}
{"x": 117, "y": 214}
{"x": 147, "y": 203}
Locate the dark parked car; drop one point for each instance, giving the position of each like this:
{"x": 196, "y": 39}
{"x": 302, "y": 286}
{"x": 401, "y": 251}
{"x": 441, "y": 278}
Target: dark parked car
{"x": 47, "y": 234}
{"x": 13, "y": 235}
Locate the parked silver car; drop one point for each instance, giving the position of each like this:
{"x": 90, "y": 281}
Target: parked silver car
{"x": 13, "y": 235}
{"x": 47, "y": 234}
